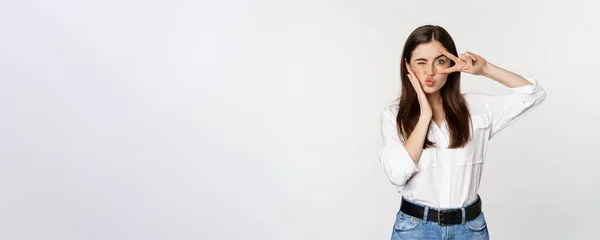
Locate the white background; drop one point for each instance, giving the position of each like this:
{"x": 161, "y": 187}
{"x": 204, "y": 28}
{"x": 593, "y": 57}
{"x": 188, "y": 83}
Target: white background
{"x": 260, "y": 119}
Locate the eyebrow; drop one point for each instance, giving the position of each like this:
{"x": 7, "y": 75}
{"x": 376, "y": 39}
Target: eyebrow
{"x": 423, "y": 59}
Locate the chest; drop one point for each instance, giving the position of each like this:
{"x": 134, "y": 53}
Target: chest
{"x": 472, "y": 153}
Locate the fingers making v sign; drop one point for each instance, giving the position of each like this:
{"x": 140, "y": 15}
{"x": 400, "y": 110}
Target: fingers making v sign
{"x": 467, "y": 62}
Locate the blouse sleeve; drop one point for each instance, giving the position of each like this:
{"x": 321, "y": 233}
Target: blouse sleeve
{"x": 397, "y": 163}
{"x": 508, "y": 108}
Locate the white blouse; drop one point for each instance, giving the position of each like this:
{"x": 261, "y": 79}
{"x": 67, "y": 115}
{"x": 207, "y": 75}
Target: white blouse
{"x": 449, "y": 178}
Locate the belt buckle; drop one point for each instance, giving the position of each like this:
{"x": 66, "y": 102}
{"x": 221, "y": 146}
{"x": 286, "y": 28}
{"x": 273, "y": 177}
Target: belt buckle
{"x": 443, "y": 219}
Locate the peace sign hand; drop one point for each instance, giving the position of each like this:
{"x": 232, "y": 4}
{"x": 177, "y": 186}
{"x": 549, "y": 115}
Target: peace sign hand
{"x": 467, "y": 62}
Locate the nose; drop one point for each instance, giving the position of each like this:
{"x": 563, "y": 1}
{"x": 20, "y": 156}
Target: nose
{"x": 429, "y": 70}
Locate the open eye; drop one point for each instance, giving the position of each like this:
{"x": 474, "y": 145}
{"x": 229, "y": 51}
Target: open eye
{"x": 441, "y": 61}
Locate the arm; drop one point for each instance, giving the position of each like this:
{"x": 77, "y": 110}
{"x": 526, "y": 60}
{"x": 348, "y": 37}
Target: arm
{"x": 400, "y": 158}
{"x": 526, "y": 93}
{"x": 414, "y": 143}
{"x": 503, "y": 76}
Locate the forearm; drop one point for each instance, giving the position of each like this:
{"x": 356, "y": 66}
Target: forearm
{"x": 503, "y": 76}
{"x": 414, "y": 143}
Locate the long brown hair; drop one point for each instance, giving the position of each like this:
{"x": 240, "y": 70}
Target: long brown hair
{"x": 454, "y": 104}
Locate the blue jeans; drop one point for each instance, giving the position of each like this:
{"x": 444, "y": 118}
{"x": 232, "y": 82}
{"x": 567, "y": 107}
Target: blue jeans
{"x": 409, "y": 227}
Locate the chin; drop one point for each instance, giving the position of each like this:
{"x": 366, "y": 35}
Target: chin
{"x": 430, "y": 90}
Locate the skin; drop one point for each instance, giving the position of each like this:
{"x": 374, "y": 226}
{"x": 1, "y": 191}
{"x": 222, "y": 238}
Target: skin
{"x": 432, "y": 61}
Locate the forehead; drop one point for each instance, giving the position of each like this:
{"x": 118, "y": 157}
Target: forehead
{"x": 428, "y": 50}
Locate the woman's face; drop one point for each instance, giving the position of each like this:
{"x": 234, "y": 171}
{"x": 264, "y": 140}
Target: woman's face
{"x": 426, "y": 62}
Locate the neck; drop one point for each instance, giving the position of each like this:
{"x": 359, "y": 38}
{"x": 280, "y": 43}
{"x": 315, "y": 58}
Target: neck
{"x": 434, "y": 99}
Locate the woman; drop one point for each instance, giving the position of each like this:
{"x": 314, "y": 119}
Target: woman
{"x": 435, "y": 137}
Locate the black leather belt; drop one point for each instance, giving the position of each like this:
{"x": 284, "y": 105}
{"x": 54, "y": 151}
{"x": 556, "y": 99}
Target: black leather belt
{"x": 443, "y": 217}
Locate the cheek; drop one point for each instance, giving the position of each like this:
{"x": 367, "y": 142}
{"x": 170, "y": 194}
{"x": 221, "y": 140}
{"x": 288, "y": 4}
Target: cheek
{"x": 441, "y": 78}
{"x": 443, "y": 82}
{"x": 419, "y": 71}
{"x": 417, "y": 68}
{"x": 438, "y": 69}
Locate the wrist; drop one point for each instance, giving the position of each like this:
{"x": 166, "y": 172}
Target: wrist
{"x": 487, "y": 70}
{"x": 425, "y": 118}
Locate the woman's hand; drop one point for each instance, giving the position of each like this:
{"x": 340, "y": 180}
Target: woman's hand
{"x": 467, "y": 62}
{"x": 426, "y": 111}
